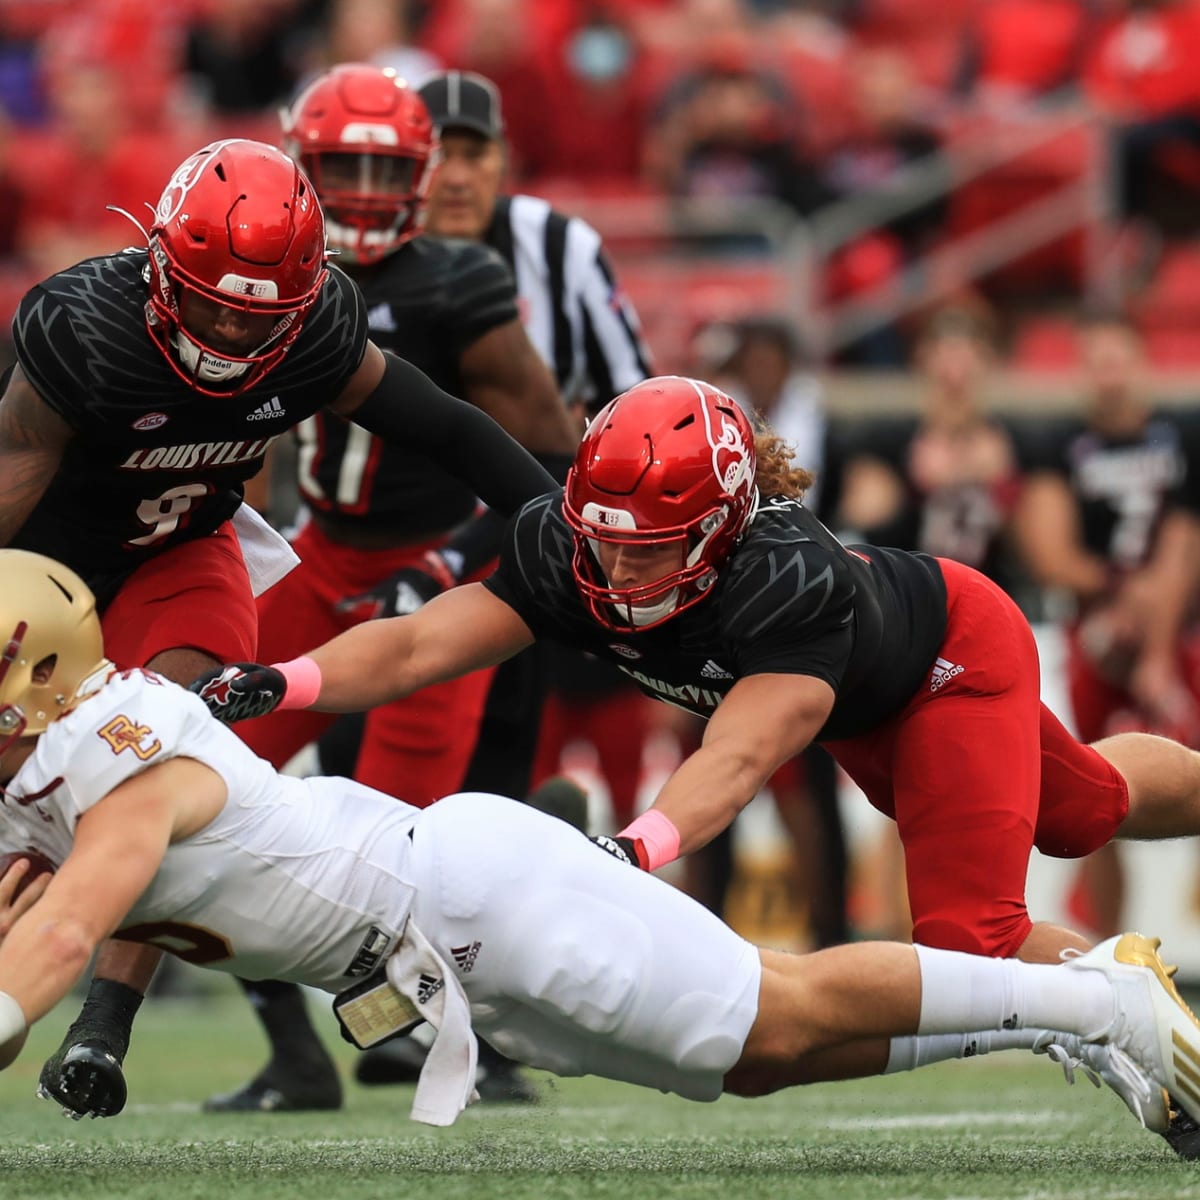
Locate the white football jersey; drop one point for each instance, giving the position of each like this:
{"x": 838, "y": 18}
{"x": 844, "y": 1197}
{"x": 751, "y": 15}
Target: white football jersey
{"x": 300, "y": 879}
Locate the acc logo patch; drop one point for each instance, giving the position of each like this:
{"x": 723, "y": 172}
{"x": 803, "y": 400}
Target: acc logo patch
{"x": 151, "y": 421}
{"x": 624, "y": 651}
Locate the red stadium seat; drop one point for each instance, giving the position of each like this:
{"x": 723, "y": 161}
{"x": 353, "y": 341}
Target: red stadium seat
{"x": 1046, "y": 344}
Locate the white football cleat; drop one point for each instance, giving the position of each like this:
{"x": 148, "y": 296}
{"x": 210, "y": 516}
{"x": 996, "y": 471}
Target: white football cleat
{"x": 1151, "y": 1024}
{"x": 1104, "y": 1062}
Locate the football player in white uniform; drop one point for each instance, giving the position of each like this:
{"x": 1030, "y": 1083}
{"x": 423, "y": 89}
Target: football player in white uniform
{"x": 165, "y": 828}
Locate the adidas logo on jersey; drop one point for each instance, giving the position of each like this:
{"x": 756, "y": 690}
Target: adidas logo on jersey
{"x": 381, "y": 317}
{"x": 943, "y": 671}
{"x": 711, "y": 670}
{"x": 268, "y": 411}
{"x": 465, "y": 956}
{"x": 427, "y": 988}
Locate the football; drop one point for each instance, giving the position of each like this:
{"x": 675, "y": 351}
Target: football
{"x": 39, "y": 865}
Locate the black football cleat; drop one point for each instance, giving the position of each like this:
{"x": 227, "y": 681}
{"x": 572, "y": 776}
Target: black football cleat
{"x": 503, "y": 1083}
{"x": 499, "y": 1081}
{"x": 89, "y": 1083}
{"x": 397, "y": 1061}
{"x": 277, "y": 1089}
{"x": 1182, "y": 1134}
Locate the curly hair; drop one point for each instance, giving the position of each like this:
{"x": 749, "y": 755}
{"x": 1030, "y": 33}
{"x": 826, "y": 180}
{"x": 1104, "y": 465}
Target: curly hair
{"x": 776, "y": 475}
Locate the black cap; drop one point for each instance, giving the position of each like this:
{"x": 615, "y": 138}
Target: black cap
{"x": 464, "y": 100}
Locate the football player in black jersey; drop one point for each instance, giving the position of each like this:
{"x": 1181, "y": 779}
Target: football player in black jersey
{"x": 147, "y": 388}
{"x": 381, "y": 513}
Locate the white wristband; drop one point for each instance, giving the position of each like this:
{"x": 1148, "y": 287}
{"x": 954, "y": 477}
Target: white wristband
{"x": 12, "y": 1019}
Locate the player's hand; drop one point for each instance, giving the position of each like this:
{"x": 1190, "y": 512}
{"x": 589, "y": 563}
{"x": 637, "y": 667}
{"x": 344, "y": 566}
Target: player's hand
{"x": 239, "y": 691}
{"x": 16, "y": 896}
{"x": 404, "y": 592}
{"x": 623, "y": 848}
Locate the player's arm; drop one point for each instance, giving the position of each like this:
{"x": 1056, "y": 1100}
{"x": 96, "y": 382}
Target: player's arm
{"x": 504, "y": 376}
{"x": 462, "y": 630}
{"x": 763, "y": 721}
{"x": 401, "y": 404}
{"x": 1049, "y": 537}
{"x": 32, "y": 440}
{"x": 49, "y": 947}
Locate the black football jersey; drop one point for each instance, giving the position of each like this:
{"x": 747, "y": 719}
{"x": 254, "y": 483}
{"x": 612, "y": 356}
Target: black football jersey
{"x": 791, "y": 600}
{"x": 154, "y": 462}
{"x": 427, "y": 303}
{"x": 1124, "y": 486}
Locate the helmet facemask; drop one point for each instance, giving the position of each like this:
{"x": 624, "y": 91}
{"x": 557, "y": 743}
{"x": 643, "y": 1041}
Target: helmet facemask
{"x": 643, "y": 605}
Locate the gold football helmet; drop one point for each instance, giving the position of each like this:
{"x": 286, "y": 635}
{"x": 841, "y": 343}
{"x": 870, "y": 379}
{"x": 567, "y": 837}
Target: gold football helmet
{"x": 50, "y": 643}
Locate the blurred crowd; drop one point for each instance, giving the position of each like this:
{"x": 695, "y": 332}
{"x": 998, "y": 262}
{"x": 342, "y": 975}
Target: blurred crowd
{"x": 792, "y": 104}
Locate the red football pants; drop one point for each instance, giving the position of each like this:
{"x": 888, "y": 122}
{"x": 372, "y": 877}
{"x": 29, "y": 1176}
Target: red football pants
{"x": 416, "y": 748}
{"x": 976, "y": 771}
{"x": 196, "y": 594}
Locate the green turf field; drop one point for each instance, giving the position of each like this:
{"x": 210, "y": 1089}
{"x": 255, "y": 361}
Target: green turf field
{"x": 1002, "y": 1127}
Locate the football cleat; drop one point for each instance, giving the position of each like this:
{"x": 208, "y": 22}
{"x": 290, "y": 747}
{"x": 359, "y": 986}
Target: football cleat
{"x": 90, "y": 1083}
{"x": 1151, "y": 1023}
{"x": 1105, "y": 1063}
{"x": 1182, "y": 1133}
{"x": 309, "y": 1087}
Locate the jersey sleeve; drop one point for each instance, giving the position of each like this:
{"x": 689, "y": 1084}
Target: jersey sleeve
{"x": 136, "y": 721}
{"x": 481, "y": 294}
{"x": 46, "y": 350}
{"x": 535, "y": 564}
{"x": 790, "y": 611}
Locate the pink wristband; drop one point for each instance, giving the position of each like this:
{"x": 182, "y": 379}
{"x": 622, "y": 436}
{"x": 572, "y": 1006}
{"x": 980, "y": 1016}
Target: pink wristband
{"x": 303, "y": 678}
{"x": 656, "y": 831}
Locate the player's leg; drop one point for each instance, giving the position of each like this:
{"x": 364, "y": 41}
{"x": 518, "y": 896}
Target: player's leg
{"x": 1163, "y": 778}
{"x": 1114, "y": 1008}
{"x": 967, "y": 772}
{"x": 182, "y": 613}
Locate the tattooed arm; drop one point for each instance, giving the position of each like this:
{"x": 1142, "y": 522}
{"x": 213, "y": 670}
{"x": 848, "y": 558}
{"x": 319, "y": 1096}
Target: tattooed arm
{"x": 32, "y": 440}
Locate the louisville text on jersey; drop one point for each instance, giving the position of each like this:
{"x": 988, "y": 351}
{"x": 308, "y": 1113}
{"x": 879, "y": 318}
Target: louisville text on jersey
{"x": 196, "y": 454}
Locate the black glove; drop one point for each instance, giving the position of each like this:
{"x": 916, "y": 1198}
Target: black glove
{"x": 404, "y": 592}
{"x": 84, "y": 1074}
{"x": 626, "y": 849}
{"x": 239, "y": 691}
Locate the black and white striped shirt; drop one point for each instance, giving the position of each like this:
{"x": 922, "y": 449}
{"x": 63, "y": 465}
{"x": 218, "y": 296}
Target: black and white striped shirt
{"x": 573, "y": 311}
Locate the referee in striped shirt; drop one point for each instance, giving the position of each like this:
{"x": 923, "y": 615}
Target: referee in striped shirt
{"x": 572, "y": 309}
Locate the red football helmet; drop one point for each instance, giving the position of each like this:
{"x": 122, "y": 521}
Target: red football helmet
{"x": 669, "y": 461}
{"x": 237, "y": 228}
{"x": 367, "y": 142}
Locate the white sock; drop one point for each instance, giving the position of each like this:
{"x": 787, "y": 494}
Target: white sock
{"x": 966, "y": 991}
{"x": 909, "y": 1053}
